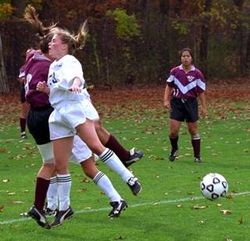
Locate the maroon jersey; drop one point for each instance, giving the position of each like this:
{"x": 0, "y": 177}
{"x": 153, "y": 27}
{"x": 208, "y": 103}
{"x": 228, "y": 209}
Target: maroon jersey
{"x": 36, "y": 70}
{"x": 186, "y": 85}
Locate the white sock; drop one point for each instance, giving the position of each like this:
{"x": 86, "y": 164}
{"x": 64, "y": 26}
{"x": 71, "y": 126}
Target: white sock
{"x": 64, "y": 186}
{"x": 103, "y": 182}
{"x": 52, "y": 195}
{"x": 114, "y": 163}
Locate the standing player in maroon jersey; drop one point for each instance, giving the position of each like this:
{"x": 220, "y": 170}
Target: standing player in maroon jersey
{"x": 184, "y": 85}
{"x": 24, "y": 104}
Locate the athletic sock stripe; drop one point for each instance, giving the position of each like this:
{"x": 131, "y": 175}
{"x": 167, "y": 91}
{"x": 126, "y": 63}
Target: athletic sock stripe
{"x": 107, "y": 155}
{"x": 53, "y": 180}
{"x": 64, "y": 179}
{"x": 98, "y": 176}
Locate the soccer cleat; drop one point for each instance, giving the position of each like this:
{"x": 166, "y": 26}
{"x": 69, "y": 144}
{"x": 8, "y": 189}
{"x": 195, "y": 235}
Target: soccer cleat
{"x": 173, "y": 155}
{"x": 134, "y": 185}
{"x": 23, "y": 135}
{"x": 61, "y": 216}
{"x": 50, "y": 212}
{"x": 135, "y": 155}
{"x": 118, "y": 207}
{"x": 197, "y": 159}
{"x": 39, "y": 217}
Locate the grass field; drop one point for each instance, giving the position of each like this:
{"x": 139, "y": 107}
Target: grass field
{"x": 170, "y": 207}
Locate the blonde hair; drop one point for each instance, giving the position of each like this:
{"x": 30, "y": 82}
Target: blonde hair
{"x": 45, "y": 34}
{"x": 74, "y": 42}
{"x": 31, "y": 16}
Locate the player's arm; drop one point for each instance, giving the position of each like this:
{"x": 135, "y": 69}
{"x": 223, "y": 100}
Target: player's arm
{"x": 202, "y": 99}
{"x": 76, "y": 85}
{"x": 167, "y": 94}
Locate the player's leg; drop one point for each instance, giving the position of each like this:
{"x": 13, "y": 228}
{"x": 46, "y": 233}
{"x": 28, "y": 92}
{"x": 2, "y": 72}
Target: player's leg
{"x": 195, "y": 140}
{"x": 52, "y": 196}
{"x": 37, "y": 121}
{"x": 174, "y": 127}
{"x": 42, "y": 184}
{"x": 192, "y": 124}
{"x": 23, "y": 114}
{"x": 104, "y": 183}
{"x": 177, "y": 115}
{"x": 62, "y": 151}
{"x": 127, "y": 157}
{"x": 87, "y": 133}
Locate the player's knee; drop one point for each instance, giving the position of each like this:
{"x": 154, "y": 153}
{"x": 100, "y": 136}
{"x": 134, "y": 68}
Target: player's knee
{"x": 46, "y": 151}
{"x": 196, "y": 136}
{"x": 61, "y": 168}
{"x": 173, "y": 133}
{"x": 98, "y": 125}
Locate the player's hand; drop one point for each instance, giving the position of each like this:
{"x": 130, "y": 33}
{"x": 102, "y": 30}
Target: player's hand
{"x": 42, "y": 87}
{"x": 204, "y": 112}
{"x": 75, "y": 88}
{"x": 166, "y": 104}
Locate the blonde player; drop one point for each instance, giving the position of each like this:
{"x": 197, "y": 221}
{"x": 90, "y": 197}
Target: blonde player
{"x": 74, "y": 114}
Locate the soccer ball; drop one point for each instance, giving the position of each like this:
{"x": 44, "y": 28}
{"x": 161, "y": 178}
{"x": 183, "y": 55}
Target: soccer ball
{"x": 213, "y": 186}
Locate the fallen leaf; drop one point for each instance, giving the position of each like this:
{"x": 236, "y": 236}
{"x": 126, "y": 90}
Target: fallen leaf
{"x": 6, "y": 180}
{"x": 24, "y": 214}
{"x": 225, "y": 212}
{"x": 88, "y": 208}
{"x": 86, "y": 180}
{"x": 1, "y": 208}
{"x": 11, "y": 193}
{"x": 83, "y": 190}
{"x": 199, "y": 206}
{"x": 241, "y": 220}
{"x": 201, "y": 221}
{"x": 179, "y": 206}
{"x": 17, "y": 202}
{"x": 3, "y": 150}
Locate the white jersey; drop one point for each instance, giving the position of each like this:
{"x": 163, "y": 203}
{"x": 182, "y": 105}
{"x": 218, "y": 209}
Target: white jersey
{"x": 70, "y": 109}
{"x": 62, "y": 72}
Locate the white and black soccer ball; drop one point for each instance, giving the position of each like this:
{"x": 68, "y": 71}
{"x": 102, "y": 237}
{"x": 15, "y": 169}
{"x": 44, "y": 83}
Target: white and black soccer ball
{"x": 213, "y": 186}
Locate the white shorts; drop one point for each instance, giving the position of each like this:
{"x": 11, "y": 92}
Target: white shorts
{"x": 63, "y": 121}
{"x": 80, "y": 151}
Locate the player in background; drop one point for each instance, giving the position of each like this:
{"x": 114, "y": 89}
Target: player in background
{"x": 184, "y": 85}
{"x": 24, "y": 104}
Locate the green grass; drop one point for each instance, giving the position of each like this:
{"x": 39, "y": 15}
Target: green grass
{"x": 165, "y": 208}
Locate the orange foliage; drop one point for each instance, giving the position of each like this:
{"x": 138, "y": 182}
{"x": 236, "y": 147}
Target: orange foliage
{"x": 6, "y": 10}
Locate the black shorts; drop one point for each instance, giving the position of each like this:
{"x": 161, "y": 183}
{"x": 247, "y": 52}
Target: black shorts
{"x": 22, "y": 94}
{"x": 184, "y": 109}
{"x": 38, "y": 124}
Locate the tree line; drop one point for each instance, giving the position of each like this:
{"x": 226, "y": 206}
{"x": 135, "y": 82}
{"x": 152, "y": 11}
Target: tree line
{"x": 136, "y": 41}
